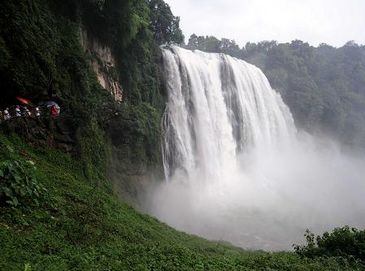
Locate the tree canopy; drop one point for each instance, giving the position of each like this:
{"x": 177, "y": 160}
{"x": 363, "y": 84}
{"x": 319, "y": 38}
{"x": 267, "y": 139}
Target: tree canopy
{"x": 164, "y": 24}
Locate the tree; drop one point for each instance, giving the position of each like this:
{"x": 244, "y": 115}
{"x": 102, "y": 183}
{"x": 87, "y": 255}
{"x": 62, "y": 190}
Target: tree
{"x": 164, "y": 24}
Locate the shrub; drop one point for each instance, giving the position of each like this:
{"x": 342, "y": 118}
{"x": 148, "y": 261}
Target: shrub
{"x": 342, "y": 242}
{"x": 18, "y": 184}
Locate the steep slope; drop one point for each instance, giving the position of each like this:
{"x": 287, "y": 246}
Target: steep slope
{"x": 79, "y": 225}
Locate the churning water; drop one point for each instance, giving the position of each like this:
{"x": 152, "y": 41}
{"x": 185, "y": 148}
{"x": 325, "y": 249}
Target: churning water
{"x": 237, "y": 169}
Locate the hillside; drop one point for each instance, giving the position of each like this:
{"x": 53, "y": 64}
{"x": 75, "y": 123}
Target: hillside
{"x": 79, "y": 225}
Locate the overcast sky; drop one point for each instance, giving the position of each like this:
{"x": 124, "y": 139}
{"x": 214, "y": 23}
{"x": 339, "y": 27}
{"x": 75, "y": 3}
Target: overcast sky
{"x": 315, "y": 21}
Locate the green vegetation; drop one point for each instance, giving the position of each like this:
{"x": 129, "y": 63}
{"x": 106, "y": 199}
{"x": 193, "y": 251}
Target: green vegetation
{"x": 45, "y": 59}
{"x": 164, "y": 24}
{"x": 18, "y": 185}
{"x": 42, "y": 58}
{"x": 343, "y": 242}
{"x": 324, "y": 86}
{"x": 79, "y": 225}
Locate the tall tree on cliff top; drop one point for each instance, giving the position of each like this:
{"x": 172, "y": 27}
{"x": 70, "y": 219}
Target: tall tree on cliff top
{"x": 164, "y": 24}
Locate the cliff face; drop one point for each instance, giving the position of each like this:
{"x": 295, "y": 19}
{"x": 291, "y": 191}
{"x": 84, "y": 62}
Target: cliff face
{"x": 73, "y": 51}
{"x": 103, "y": 64}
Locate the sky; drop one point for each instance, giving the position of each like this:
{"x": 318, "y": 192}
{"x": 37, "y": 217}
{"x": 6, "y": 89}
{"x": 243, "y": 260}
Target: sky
{"x": 314, "y": 21}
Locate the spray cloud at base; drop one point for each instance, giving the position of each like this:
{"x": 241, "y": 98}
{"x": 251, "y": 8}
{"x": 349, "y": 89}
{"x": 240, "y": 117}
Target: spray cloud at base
{"x": 236, "y": 167}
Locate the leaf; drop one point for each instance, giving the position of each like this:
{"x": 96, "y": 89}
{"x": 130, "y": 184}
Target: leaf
{"x": 7, "y": 192}
{"x": 27, "y": 267}
{"x": 15, "y": 201}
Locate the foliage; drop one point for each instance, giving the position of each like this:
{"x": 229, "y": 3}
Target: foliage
{"x": 18, "y": 183}
{"x": 46, "y": 59}
{"x": 86, "y": 228}
{"x": 125, "y": 27}
{"x": 43, "y": 56}
{"x": 341, "y": 242}
{"x": 164, "y": 24}
{"x": 141, "y": 123}
{"x": 26, "y": 43}
{"x": 113, "y": 22}
{"x": 27, "y": 267}
{"x": 323, "y": 87}
{"x": 213, "y": 45}
{"x": 93, "y": 150}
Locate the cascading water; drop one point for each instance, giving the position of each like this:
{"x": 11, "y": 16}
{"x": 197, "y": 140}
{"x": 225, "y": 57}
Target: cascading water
{"x": 234, "y": 165}
{"x": 217, "y": 107}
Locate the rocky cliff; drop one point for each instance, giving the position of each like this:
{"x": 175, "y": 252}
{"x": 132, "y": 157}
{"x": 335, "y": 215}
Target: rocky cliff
{"x": 103, "y": 64}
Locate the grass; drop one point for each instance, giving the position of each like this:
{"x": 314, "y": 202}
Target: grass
{"x": 80, "y": 225}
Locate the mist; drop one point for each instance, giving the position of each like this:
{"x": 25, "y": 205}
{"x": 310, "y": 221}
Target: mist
{"x": 271, "y": 198}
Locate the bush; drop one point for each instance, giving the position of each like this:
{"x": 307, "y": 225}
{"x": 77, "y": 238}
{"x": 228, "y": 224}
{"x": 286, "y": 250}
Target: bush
{"x": 343, "y": 242}
{"x": 18, "y": 184}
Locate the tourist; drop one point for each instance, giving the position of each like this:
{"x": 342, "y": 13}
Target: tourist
{"x": 18, "y": 112}
{"x": 7, "y": 115}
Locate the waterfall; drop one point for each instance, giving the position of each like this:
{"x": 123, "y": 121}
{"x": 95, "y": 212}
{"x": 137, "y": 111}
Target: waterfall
{"x": 236, "y": 167}
{"x": 218, "y": 107}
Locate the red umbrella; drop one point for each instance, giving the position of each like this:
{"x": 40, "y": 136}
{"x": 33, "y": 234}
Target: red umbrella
{"x": 23, "y": 100}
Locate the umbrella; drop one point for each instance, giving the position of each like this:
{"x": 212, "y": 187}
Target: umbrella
{"x": 23, "y": 100}
{"x": 50, "y": 103}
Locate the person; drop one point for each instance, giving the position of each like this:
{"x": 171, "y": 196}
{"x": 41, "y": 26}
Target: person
{"x": 7, "y": 114}
{"x": 18, "y": 113}
{"x": 54, "y": 108}
{"x": 26, "y": 112}
{"x": 37, "y": 112}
